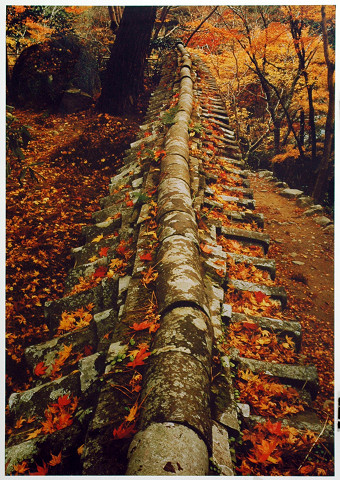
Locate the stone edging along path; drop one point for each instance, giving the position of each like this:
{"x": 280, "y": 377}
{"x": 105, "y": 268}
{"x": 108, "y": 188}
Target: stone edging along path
{"x": 136, "y": 378}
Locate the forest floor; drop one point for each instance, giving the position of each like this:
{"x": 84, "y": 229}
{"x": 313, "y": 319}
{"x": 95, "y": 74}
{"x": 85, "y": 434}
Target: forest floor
{"x": 79, "y": 154}
{"x": 309, "y": 284}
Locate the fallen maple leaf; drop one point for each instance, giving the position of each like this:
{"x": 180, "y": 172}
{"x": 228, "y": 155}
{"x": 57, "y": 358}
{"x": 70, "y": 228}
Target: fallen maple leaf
{"x": 205, "y": 248}
{"x": 97, "y": 239}
{"x": 132, "y": 414}
{"x": 100, "y": 272}
{"x": 260, "y": 296}
{"x": 141, "y": 326}
{"x": 55, "y": 459}
{"x": 146, "y": 257}
{"x": 40, "y": 369}
{"x": 19, "y": 423}
{"x": 139, "y": 358}
{"x": 40, "y": 470}
{"x": 21, "y": 468}
{"x": 103, "y": 251}
{"x": 34, "y": 434}
{"x": 124, "y": 431}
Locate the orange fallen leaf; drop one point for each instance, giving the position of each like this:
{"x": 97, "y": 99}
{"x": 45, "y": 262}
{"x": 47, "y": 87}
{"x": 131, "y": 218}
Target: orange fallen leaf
{"x": 55, "y": 459}
{"x": 205, "y": 248}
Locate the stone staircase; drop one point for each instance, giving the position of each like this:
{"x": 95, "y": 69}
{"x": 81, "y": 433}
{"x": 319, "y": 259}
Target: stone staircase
{"x": 158, "y": 249}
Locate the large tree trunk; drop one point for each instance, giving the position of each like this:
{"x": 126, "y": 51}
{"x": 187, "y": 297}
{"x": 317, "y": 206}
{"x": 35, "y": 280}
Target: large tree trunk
{"x": 322, "y": 180}
{"x": 125, "y": 70}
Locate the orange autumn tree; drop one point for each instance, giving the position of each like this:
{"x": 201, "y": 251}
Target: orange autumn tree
{"x": 270, "y": 67}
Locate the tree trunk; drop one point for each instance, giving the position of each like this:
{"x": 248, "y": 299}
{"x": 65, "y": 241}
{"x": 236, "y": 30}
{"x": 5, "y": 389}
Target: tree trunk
{"x": 123, "y": 79}
{"x": 322, "y": 180}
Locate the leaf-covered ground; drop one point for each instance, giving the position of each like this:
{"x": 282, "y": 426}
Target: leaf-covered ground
{"x": 71, "y": 159}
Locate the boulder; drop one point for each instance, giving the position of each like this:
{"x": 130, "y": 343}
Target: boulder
{"x": 58, "y": 73}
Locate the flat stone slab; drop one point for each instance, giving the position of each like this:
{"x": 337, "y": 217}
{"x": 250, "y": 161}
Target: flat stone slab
{"x": 246, "y": 192}
{"x": 168, "y": 449}
{"x": 247, "y": 236}
{"x": 266, "y": 264}
{"x": 33, "y": 402}
{"x": 300, "y": 376}
{"x": 291, "y": 193}
{"x": 221, "y": 453}
{"x": 277, "y": 293}
{"x": 280, "y": 327}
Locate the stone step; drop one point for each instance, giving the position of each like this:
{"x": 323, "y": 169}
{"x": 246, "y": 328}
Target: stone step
{"x": 85, "y": 271}
{"x": 266, "y": 264}
{"x": 103, "y": 296}
{"x": 107, "y": 227}
{"x": 302, "y": 421}
{"x": 246, "y": 192}
{"x": 224, "y": 119}
{"x": 239, "y": 163}
{"x": 211, "y": 177}
{"x": 241, "y": 202}
{"x": 82, "y": 255}
{"x": 276, "y": 293}
{"x": 243, "y": 217}
{"x": 281, "y": 328}
{"x": 81, "y": 342}
{"x": 298, "y": 376}
{"x": 246, "y": 236}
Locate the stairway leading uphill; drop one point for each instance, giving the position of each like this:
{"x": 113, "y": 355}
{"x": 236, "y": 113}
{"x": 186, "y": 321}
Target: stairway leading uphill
{"x": 139, "y": 374}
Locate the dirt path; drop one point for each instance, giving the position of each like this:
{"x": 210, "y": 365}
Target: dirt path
{"x": 309, "y": 285}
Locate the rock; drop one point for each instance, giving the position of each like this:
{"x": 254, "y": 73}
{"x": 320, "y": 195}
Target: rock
{"x": 323, "y": 221}
{"x": 220, "y": 450}
{"x": 74, "y": 100}
{"x": 304, "y": 201}
{"x": 281, "y": 184}
{"x": 45, "y": 71}
{"x": 329, "y": 228}
{"x": 313, "y": 210}
{"x": 291, "y": 193}
{"x": 265, "y": 174}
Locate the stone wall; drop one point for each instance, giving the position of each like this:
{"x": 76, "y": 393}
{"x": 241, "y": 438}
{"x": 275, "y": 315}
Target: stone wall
{"x": 125, "y": 385}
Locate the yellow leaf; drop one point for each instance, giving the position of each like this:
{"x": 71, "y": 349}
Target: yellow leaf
{"x": 34, "y": 434}
{"x": 98, "y": 238}
{"x": 93, "y": 259}
{"x": 80, "y": 449}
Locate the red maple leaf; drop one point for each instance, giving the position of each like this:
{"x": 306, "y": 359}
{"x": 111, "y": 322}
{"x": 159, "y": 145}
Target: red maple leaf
{"x": 250, "y": 325}
{"x": 146, "y": 257}
{"x": 63, "y": 401}
{"x": 88, "y": 350}
{"x": 141, "y": 326}
{"x": 100, "y": 272}
{"x": 124, "y": 431}
{"x": 103, "y": 251}
{"x": 40, "y": 470}
{"x": 139, "y": 358}
{"x": 274, "y": 428}
{"x": 40, "y": 369}
{"x": 260, "y": 296}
